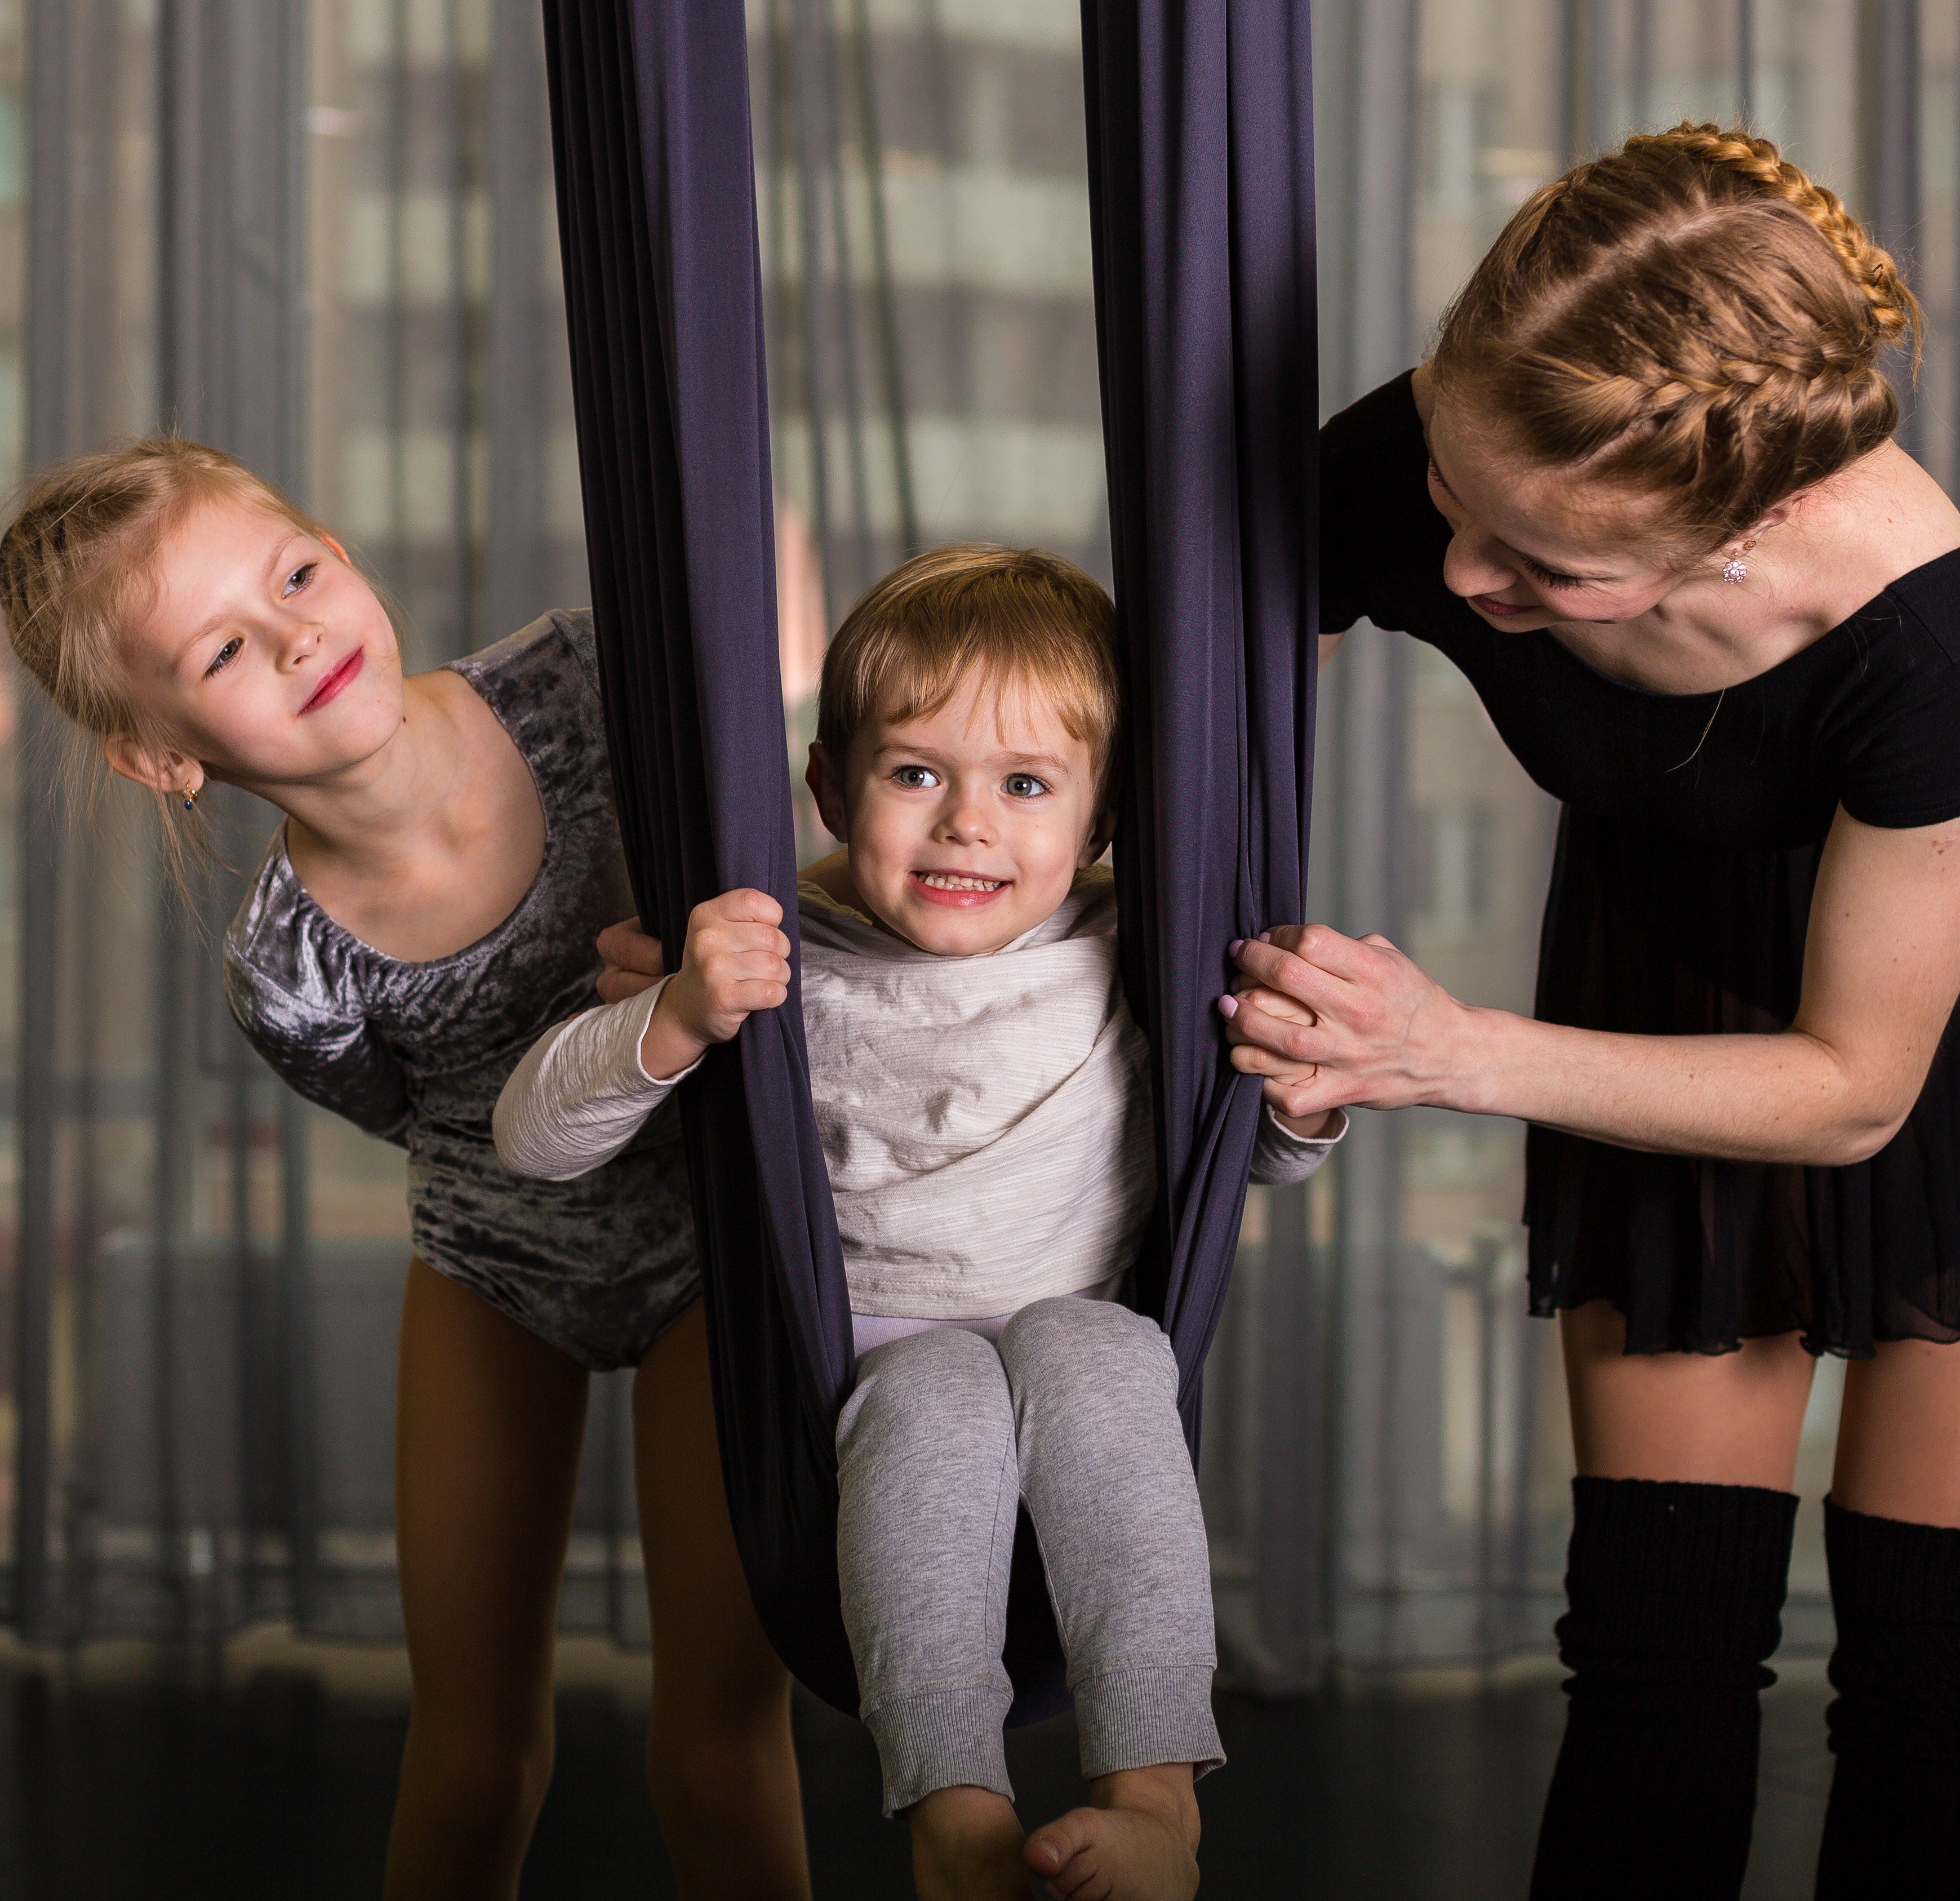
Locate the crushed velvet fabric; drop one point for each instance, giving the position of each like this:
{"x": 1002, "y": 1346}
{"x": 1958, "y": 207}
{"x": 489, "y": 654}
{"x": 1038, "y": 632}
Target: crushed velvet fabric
{"x": 416, "y": 1053}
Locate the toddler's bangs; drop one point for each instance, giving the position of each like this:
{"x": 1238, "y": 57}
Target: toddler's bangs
{"x": 1023, "y": 621}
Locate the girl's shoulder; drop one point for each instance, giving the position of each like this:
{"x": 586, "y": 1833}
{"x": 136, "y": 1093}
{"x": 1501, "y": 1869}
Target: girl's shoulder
{"x": 283, "y": 955}
{"x": 555, "y": 659}
{"x": 543, "y": 684}
{"x": 1892, "y": 709}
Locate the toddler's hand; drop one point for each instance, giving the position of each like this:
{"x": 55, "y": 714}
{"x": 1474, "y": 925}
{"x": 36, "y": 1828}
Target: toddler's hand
{"x": 1289, "y": 1086}
{"x": 633, "y": 962}
{"x": 736, "y": 960}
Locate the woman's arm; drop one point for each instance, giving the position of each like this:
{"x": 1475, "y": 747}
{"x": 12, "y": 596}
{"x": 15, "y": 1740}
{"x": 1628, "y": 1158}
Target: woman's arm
{"x": 1333, "y": 1021}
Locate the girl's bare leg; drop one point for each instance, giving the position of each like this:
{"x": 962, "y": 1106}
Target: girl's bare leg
{"x": 719, "y": 1761}
{"x": 488, "y": 1423}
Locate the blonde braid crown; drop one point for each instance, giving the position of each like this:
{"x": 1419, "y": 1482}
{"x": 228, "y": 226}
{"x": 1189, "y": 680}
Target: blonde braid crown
{"x": 1691, "y": 316}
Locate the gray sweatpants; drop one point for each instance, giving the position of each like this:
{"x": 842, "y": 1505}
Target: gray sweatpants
{"x": 1075, "y": 1410}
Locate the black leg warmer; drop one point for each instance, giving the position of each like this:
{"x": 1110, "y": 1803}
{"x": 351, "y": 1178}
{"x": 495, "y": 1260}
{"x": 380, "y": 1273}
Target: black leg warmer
{"x": 1893, "y": 1828}
{"x": 1675, "y": 1592}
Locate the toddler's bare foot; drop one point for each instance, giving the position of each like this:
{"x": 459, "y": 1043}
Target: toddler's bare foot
{"x": 966, "y": 1846}
{"x": 1139, "y": 1843}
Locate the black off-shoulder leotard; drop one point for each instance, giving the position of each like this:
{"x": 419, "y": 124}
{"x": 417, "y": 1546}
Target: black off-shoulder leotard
{"x": 1680, "y": 897}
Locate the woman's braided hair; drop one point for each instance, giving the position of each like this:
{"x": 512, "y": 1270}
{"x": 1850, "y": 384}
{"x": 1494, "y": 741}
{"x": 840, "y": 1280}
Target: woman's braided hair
{"x": 1692, "y": 317}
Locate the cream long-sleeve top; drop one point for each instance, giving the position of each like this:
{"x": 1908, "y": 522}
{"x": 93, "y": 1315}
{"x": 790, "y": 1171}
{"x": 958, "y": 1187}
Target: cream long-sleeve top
{"x": 985, "y": 1120}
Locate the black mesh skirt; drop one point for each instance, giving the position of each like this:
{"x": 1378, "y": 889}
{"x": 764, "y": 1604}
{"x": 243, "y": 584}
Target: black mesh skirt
{"x": 1649, "y": 933}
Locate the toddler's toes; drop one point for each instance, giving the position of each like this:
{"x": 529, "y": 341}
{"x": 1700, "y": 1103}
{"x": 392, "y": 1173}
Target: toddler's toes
{"x": 1113, "y": 1855}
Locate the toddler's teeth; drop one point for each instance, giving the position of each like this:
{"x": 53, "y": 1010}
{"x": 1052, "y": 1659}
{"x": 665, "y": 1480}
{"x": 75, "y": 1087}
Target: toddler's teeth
{"x": 942, "y": 881}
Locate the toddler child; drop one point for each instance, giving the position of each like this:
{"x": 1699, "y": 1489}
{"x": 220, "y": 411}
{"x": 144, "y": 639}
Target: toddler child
{"x": 983, "y": 1098}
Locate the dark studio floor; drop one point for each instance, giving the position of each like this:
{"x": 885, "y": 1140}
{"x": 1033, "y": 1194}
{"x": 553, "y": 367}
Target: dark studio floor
{"x": 269, "y": 1772}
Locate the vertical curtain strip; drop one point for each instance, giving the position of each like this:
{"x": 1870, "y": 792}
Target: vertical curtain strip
{"x": 657, "y": 216}
{"x": 1200, "y": 166}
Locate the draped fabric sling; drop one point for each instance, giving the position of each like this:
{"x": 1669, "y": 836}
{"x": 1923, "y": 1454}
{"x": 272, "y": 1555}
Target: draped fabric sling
{"x": 1202, "y": 184}
{"x": 1200, "y": 178}
{"x": 656, "y": 218}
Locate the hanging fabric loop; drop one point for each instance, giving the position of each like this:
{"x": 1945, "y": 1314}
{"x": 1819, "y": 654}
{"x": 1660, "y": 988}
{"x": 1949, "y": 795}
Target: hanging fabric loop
{"x": 656, "y": 219}
{"x": 1201, "y": 191}
{"x": 1201, "y": 169}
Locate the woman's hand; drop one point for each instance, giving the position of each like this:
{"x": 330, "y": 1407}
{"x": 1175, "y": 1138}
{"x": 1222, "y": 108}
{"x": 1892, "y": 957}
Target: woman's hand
{"x": 1330, "y": 1021}
{"x": 633, "y": 961}
{"x": 1333, "y": 1021}
{"x": 736, "y": 961}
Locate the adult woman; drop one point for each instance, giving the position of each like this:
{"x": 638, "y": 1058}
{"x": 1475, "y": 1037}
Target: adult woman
{"x": 450, "y": 850}
{"x": 1645, "y": 495}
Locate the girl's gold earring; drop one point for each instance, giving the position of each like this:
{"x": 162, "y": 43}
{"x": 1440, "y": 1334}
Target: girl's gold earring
{"x": 190, "y": 798}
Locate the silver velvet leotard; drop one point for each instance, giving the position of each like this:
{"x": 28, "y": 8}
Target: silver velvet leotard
{"x": 416, "y": 1053}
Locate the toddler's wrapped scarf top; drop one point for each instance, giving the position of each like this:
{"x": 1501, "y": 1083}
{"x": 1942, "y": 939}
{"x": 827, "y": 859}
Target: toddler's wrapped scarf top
{"x": 986, "y": 1120}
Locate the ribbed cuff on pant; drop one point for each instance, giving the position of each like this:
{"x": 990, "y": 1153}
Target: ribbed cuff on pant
{"x": 1148, "y": 1713}
{"x": 939, "y": 1739}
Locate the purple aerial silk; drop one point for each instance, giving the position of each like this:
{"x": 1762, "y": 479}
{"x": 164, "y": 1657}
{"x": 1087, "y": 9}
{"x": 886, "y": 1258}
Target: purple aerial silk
{"x": 1200, "y": 173}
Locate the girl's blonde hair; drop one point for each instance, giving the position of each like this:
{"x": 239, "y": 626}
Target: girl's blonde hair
{"x": 80, "y": 547}
{"x": 1691, "y": 317}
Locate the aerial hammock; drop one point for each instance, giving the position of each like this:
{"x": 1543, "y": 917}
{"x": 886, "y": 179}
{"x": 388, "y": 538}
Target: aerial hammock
{"x": 1202, "y": 195}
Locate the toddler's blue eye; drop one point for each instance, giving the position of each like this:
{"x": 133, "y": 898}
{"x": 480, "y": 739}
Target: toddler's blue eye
{"x": 916, "y": 778}
{"x": 1023, "y": 785}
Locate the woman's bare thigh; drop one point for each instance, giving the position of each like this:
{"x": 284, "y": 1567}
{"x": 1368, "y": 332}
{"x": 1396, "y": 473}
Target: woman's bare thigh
{"x": 1899, "y": 1438}
{"x": 1729, "y": 1418}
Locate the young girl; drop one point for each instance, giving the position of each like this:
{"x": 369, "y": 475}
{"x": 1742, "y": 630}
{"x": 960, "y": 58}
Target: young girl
{"x": 429, "y": 905}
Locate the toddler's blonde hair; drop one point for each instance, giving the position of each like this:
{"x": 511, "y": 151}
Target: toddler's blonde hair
{"x": 968, "y": 610}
